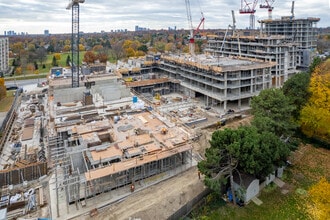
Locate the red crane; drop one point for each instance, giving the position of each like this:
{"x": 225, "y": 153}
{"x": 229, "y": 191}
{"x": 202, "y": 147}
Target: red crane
{"x": 268, "y": 4}
{"x": 249, "y": 8}
{"x": 193, "y": 31}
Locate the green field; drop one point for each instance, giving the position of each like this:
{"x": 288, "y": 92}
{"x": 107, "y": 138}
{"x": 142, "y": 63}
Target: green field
{"x": 43, "y": 72}
{"x": 6, "y": 103}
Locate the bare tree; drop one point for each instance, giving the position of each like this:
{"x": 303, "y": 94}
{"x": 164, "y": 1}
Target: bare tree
{"x": 41, "y": 55}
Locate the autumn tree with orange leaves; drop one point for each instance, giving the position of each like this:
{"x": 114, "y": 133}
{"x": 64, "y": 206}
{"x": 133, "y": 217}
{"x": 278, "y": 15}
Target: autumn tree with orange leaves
{"x": 315, "y": 116}
{"x": 89, "y": 57}
{"x": 2, "y": 89}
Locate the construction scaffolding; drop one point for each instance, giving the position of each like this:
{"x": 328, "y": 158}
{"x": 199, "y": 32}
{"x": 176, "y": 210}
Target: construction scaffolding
{"x": 99, "y": 151}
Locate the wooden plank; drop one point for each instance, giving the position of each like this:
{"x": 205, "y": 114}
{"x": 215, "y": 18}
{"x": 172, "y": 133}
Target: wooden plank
{"x": 41, "y": 196}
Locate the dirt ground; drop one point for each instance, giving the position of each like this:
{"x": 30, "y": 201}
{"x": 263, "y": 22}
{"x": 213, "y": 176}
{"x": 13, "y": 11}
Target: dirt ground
{"x": 158, "y": 201}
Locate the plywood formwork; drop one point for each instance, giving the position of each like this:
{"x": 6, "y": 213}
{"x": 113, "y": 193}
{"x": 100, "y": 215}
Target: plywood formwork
{"x": 134, "y": 162}
{"x": 147, "y": 82}
{"x": 18, "y": 175}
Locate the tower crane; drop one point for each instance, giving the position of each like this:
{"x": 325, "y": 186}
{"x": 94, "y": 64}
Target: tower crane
{"x": 249, "y": 8}
{"x": 234, "y": 34}
{"x": 292, "y": 10}
{"x": 74, "y": 6}
{"x": 193, "y": 31}
{"x": 268, "y": 4}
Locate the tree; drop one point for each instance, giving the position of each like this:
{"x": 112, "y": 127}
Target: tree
{"x": 36, "y": 67}
{"x": 57, "y": 56}
{"x": 89, "y": 57}
{"x": 68, "y": 60}
{"x": 320, "y": 200}
{"x": 15, "y": 62}
{"x": 317, "y": 61}
{"x": 54, "y": 61}
{"x": 107, "y": 44}
{"x": 272, "y": 112}
{"x": 66, "y": 48}
{"x": 24, "y": 55}
{"x": 41, "y": 55}
{"x": 160, "y": 46}
{"x": 18, "y": 70}
{"x": 130, "y": 52}
{"x": 117, "y": 51}
{"x": 169, "y": 47}
{"x": 143, "y": 48}
{"x": 255, "y": 153}
{"x": 315, "y": 115}
{"x": 3, "y": 90}
{"x": 97, "y": 48}
{"x": 102, "y": 57}
{"x": 296, "y": 88}
{"x": 17, "y": 47}
{"x": 50, "y": 48}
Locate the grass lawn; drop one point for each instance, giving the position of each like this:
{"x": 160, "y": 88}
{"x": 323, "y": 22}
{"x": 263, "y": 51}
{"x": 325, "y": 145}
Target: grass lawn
{"x": 28, "y": 74}
{"x": 5, "y": 104}
{"x": 309, "y": 165}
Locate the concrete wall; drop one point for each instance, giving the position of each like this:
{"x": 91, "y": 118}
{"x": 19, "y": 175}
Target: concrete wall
{"x": 111, "y": 92}
{"x": 252, "y": 191}
{"x": 69, "y": 95}
{"x": 270, "y": 178}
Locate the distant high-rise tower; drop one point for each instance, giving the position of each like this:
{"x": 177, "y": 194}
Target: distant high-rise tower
{"x": 4, "y": 54}
{"x": 46, "y": 32}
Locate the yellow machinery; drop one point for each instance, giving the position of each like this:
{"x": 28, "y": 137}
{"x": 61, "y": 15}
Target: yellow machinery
{"x": 157, "y": 96}
{"x": 164, "y": 131}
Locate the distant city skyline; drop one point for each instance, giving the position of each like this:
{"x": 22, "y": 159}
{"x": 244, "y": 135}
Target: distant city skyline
{"x": 36, "y": 16}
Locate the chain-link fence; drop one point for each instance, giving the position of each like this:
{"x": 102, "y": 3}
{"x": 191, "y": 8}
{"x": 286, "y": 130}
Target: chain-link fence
{"x": 188, "y": 207}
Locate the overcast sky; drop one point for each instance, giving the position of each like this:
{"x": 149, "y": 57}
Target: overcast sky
{"x": 35, "y": 16}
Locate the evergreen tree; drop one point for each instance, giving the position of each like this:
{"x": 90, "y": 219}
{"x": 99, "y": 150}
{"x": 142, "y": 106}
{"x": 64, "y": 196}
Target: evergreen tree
{"x": 68, "y": 60}
{"x": 54, "y": 62}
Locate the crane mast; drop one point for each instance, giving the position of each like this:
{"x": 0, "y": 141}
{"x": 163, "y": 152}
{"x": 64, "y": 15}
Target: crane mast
{"x": 268, "y": 4}
{"x": 249, "y": 8}
{"x": 74, "y": 6}
{"x": 193, "y": 31}
{"x": 292, "y": 10}
{"x": 190, "y": 25}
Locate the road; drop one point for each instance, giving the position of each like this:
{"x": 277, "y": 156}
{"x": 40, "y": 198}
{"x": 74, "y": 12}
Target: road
{"x": 22, "y": 83}
{"x": 26, "y": 84}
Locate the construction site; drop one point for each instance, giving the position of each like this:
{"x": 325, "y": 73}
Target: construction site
{"x": 83, "y": 144}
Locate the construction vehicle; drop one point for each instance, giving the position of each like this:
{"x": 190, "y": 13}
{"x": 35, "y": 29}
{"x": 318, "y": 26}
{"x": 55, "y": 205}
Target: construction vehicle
{"x": 157, "y": 96}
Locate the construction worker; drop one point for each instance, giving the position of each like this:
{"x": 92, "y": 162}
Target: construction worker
{"x": 132, "y": 187}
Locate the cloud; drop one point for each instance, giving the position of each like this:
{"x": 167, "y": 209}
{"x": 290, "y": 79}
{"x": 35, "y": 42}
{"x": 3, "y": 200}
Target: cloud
{"x": 34, "y": 16}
